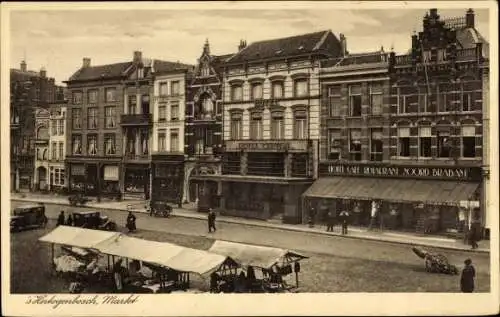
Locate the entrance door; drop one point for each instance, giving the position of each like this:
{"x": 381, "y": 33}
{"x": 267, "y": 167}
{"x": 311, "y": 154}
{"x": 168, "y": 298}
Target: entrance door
{"x": 42, "y": 178}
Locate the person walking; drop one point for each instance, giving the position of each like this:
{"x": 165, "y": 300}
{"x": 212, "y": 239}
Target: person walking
{"x": 467, "y": 278}
{"x": 211, "y": 220}
{"x": 61, "y": 219}
{"x": 69, "y": 221}
{"x": 344, "y": 217}
{"x": 131, "y": 222}
{"x": 330, "y": 221}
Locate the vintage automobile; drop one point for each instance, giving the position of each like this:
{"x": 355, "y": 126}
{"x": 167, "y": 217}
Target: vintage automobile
{"x": 28, "y": 217}
{"x": 78, "y": 199}
{"x": 160, "y": 209}
{"x": 93, "y": 220}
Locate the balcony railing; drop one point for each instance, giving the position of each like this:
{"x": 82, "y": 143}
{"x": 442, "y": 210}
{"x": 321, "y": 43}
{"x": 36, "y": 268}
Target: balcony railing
{"x": 403, "y": 60}
{"x": 466, "y": 54}
{"x": 136, "y": 119}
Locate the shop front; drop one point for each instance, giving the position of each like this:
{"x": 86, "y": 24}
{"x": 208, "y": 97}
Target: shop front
{"x": 168, "y": 178}
{"x": 404, "y": 198}
{"x": 110, "y": 184}
{"x": 136, "y": 181}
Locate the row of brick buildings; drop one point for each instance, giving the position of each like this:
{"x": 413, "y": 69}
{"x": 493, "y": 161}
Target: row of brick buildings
{"x": 280, "y": 126}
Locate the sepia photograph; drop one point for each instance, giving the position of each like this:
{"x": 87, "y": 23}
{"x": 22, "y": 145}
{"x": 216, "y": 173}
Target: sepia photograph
{"x": 245, "y": 158}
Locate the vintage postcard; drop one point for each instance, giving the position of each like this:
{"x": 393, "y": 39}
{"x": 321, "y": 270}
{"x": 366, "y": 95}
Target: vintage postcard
{"x": 249, "y": 158}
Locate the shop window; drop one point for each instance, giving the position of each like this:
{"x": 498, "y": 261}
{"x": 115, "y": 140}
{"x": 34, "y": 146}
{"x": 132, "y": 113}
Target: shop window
{"x": 300, "y": 87}
{"x": 92, "y": 144}
{"x": 175, "y": 88}
{"x": 162, "y": 141}
{"x": 76, "y": 119}
{"x": 424, "y": 140}
{"x": 110, "y": 94}
{"x": 355, "y": 100}
{"x": 443, "y": 144}
{"x": 92, "y": 96}
{"x": 109, "y": 117}
{"x": 334, "y": 101}
{"x": 469, "y": 141}
{"x": 174, "y": 140}
{"x": 54, "y": 150}
{"x": 334, "y": 144}
{"x": 236, "y": 120}
{"x": 376, "y": 145}
{"x": 109, "y": 144}
{"x": 404, "y": 142}
{"x": 256, "y": 91}
{"x": 355, "y": 144}
{"x": 132, "y": 104}
{"x": 376, "y": 98}
{"x": 237, "y": 92}
{"x": 163, "y": 89}
{"x": 162, "y": 113}
{"x": 256, "y": 126}
{"x": 77, "y": 97}
{"x": 300, "y": 125}
{"x": 277, "y": 125}
{"x": 277, "y": 89}
{"x": 76, "y": 144}
{"x": 174, "y": 111}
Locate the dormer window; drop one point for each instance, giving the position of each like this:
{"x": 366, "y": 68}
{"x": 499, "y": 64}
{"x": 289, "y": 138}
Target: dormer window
{"x": 140, "y": 72}
{"x": 205, "y": 70}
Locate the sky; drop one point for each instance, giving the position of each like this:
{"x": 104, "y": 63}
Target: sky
{"x": 58, "y": 40}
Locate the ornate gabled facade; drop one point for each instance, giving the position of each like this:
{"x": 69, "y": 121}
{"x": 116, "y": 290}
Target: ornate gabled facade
{"x": 203, "y": 138}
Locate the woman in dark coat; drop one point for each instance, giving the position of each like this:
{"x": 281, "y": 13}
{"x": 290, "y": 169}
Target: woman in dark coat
{"x": 467, "y": 278}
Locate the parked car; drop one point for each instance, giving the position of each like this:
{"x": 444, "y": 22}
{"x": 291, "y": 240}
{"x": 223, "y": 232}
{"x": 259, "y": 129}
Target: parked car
{"x": 93, "y": 220}
{"x": 28, "y": 217}
{"x": 78, "y": 199}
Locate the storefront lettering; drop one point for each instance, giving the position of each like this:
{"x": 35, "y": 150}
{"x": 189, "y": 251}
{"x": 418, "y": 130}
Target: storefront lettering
{"x": 398, "y": 171}
{"x": 263, "y": 146}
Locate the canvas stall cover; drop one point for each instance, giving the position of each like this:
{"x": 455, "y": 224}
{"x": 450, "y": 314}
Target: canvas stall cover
{"x": 78, "y": 237}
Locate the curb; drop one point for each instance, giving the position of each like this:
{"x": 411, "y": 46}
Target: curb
{"x": 332, "y": 234}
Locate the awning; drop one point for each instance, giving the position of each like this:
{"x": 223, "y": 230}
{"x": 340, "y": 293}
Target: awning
{"x": 252, "y": 255}
{"x": 78, "y": 237}
{"x": 435, "y": 192}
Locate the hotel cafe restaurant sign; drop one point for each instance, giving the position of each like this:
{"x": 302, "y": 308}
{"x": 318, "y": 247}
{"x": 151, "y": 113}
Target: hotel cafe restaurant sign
{"x": 472, "y": 174}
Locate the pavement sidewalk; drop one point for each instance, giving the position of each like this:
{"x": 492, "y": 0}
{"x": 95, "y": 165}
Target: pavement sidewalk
{"x": 354, "y": 232}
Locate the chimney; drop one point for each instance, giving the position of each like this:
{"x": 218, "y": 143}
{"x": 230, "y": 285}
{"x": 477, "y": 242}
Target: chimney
{"x": 343, "y": 45}
{"x": 24, "y": 67}
{"x": 137, "y": 56}
{"x": 434, "y": 13}
{"x": 469, "y": 18}
{"x": 86, "y": 62}
{"x": 242, "y": 45}
{"x": 43, "y": 72}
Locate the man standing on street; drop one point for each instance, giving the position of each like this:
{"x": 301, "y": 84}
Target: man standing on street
{"x": 344, "y": 217}
{"x": 330, "y": 219}
{"x": 467, "y": 278}
{"x": 211, "y": 220}
{"x": 61, "y": 219}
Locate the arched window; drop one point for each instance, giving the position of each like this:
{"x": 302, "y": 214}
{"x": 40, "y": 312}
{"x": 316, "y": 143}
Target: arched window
{"x": 256, "y": 126}
{"x": 300, "y": 124}
{"x": 207, "y": 106}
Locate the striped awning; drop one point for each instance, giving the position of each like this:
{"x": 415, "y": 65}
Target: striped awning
{"x": 397, "y": 190}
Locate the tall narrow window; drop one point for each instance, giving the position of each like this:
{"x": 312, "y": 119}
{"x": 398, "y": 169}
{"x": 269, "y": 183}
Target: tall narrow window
{"x": 376, "y": 98}
{"x": 76, "y": 118}
{"x": 92, "y": 118}
{"x": 376, "y": 145}
{"x": 61, "y": 150}
{"x": 443, "y": 144}
{"x": 54, "y": 150}
{"x": 277, "y": 126}
{"x": 174, "y": 111}
{"x": 162, "y": 113}
{"x": 76, "y": 144}
{"x": 424, "y": 141}
{"x": 236, "y": 126}
{"x": 404, "y": 142}
{"x": 60, "y": 126}
{"x": 54, "y": 127}
{"x": 402, "y": 101}
{"x": 144, "y": 142}
{"x": 110, "y": 94}
{"x": 334, "y": 144}
{"x": 92, "y": 96}
{"x": 110, "y": 117}
{"x": 422, "y": 100}
{"x": 334, "y": 100}
{"x": 205, "y": 70}
{"x": 92, "y": 144}
{"x": 162, "y": 141}
{"x": 300, "y": 87}
{"x": 145, "y": 104}
{"x": 466, "y": 96}
{"x": 355, "y": 100}
{"x": 175, "y": 88}
{"x": 277, "y": 89}
{"x": 468, "y": 141}
{"x": 207, "y": 107}
{"x": 445, "y": 98}
{"x": 355, "y": 144}
{"x": 77, "y": 97}
{"x": 163, "y": 89}
{"x": 174, "y": 140}
{"x": 236, "y": 92}
{"x": 256, "y": 91}
{"x": 300, "y": 125}
{"x": 256, "y": 126}
{"x": 109, "y": 144}
{"x": 132, "y": 104}
{"x": 131, "y": 140}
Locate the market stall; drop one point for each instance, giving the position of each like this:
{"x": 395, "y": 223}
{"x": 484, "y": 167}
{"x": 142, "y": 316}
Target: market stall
{"x": 274, "y": 264}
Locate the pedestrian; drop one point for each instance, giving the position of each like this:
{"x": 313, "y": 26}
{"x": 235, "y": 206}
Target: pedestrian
{"x": 131, "y": 222}
{"x": 344, "y": 217}
{"x": 61, "y": 219}
{"x": 312, "y": 215}
{"x": 69, "y": 221}
{"x": 118, "y": 275}
{"x": 330, "y": 221}
{"x": 150, "y": 207}
{"x": 467, "y": 278}
{"x": 211, "y": 220}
